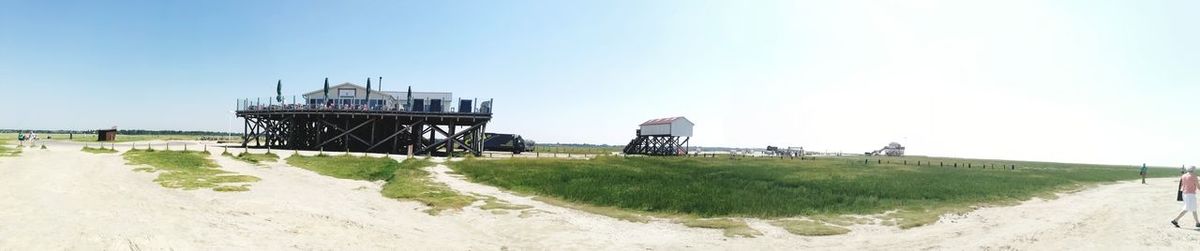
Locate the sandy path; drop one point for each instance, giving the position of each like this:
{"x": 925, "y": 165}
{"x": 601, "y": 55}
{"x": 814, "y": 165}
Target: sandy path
{"x": 1123, "y": 216}
{"x": 66, "y": 199}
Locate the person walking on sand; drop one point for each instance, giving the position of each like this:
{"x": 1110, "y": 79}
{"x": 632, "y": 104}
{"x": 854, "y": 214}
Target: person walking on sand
{"x": 1188, "y": 187}
{"x": 1179, "y": 191}
{"x": 1143, "y": 173}
{"x": 20, "y": 139}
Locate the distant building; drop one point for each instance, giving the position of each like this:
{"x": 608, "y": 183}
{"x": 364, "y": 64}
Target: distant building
{"x": 352, "y": 94}
{"x": 665, "y": 136}
{"x": 106, "y": 134}
{"x": 673, "y": 126}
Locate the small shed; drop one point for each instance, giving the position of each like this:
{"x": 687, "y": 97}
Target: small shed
{"x": 106, "y": 134}
{"x": 673, "y": 126}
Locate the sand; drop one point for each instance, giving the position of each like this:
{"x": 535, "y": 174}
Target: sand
{"x": 62, "y": 198}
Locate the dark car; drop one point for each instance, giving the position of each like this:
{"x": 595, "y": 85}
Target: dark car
{"x": 507, "y": 143}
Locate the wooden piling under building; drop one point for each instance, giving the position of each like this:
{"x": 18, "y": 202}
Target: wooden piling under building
{"x": 432, "y": 133}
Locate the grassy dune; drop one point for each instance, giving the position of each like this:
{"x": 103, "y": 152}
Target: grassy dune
{"x": 411, "y": 182}
{"x": 778, "y": 188}
{"x": 100, "y": 150}
{"x": 405, "y": 180}
{"x": 187, "y": 170}
{"x": 347, "y": 167}
{"x": 6, "y": 151}
{"x": 253, "y": 158}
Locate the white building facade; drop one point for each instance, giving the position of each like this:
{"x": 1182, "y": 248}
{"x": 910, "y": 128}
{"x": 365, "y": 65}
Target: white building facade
{"x": 673, "y": 126}
{"x": 356, "y": 95}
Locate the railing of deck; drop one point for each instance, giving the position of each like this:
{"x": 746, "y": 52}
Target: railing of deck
{"x": 295, "y": 103}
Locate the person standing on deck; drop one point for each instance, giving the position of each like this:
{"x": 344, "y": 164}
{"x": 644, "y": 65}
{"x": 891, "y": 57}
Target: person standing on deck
{"x": 1143, "y": 172}
{"x": 1188, "y": 187}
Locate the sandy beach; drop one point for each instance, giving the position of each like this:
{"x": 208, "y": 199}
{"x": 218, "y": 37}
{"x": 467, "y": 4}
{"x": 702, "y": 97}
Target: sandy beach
{"x": 65, "y": 199}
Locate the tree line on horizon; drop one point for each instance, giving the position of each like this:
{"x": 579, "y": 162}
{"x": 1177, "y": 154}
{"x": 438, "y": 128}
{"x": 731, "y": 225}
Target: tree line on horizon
{"x": 125, "y": 132}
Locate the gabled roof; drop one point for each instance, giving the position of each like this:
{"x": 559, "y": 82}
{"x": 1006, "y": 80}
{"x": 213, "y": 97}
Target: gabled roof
{"x": 333, "y": 88}
{"x": 399, "y": 95}
{"x": 664, "y": 121}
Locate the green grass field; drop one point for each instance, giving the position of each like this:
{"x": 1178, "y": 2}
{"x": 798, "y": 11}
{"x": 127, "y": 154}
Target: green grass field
{"x": 9, "y": 151}
{"x": 782, "y": 188}
{"x": 405, "y": 180}
{"x": 347, "y": 167}
{"x": 127, "y": 138}
{"x": 92, "y": 137}
{"x": 187, "y": 170}
{"x": 577, "y": 149}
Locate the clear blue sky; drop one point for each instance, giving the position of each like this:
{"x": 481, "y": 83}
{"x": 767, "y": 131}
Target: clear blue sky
{"x": 1085, "y": 81}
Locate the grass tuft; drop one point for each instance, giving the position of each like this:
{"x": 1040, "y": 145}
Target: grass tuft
{"x": 404, "y": 180}
{"x": 620, "y": 214}
{"x": 254, "y": 158}
{"x": 241, "y": 188}
{"x": 100, "y": 150}
{"x": 492, "y": 203}
{"x": 732, "y": 227}
{"x": 809, "y": 228}
{"x": 842, "y": 220}
{"x": 9, "y": 151}
{"x": 531, "y": 213}
{"x": 185, "y": 170}
{"x": 412, "y": 182}
{"x": 347, "y": 167}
